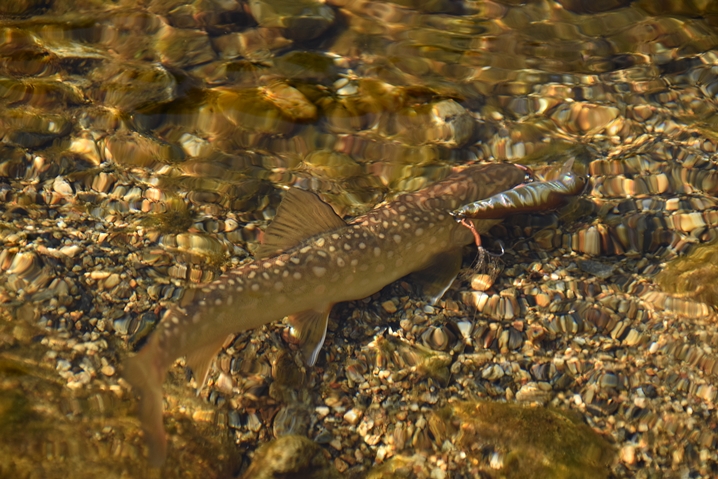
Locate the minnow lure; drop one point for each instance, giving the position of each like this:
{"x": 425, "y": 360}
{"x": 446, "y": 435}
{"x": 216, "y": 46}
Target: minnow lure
{"x": 311, "y": 259}
{"x": 526, "y": 198}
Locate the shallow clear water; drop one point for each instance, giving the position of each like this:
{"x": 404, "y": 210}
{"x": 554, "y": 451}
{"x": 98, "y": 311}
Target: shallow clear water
{"x": 145, "y": 147}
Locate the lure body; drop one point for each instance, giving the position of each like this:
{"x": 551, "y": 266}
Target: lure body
{"x": 527, "y": 198}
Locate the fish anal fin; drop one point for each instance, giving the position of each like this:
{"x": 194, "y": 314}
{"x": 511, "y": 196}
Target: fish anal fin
{"x": 200, "y": 360}
{"x": 301, "y": 215}
{"x": 437, "y": 277}
{"x": 309, "y": 328}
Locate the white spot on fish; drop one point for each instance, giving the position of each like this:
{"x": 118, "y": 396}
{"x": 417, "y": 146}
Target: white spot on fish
{"x": 280, "y": 263}
{"x": 385, "y": 224}
{"x": 323, "y": 254}
{"x": 340, "y": 262}
{"x": 295, "y": 260}
{"x": 230, "y": 300}
{"x": 196, "y": 318}
{"x": 240, "y": 289}
{"x": 265, "y": 275}
{"x": 305, "y": 249}
{"x": 231, "y": 282}
{"x": 278, "y": 285}
{"x": 401, "y": 208}
{"x": 419, "y": 232}
{"x": 347, "y": 246}
{"x": 206, "y": 290}
{"x": 255, "y": 287}
{"x": 397, "y": 239}
{"x": 267, "y": 265}
{"x": 175, "y": 319}
{"x": 332, "y": 249}
{"x": 362, "y": 245}
{"x": 319, "y": 242}
{"x": 252, "y": 274}
{"x": 377, "y": 251}
{"x": 354, "y": 262}
{"x": 285, "y": 273}
{"x": 335, "y": 236}
{"x": 441, "y": 217}
{"x": 297, "y": 275}
{"x": 218, "y": 302}
{"x": 407, "y": 226}
{"x": 319, "y": 271}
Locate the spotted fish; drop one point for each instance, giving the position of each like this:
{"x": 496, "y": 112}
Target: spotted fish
{"x": 311, "y": 259}
{"x": 535, "y": 196}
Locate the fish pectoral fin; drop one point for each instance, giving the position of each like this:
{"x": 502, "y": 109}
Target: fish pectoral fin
{"x": 301, "y": 215}
{"x": 309, "y": 328}
{"x": 436, "y": 278}
{"x": 200, "y": 360}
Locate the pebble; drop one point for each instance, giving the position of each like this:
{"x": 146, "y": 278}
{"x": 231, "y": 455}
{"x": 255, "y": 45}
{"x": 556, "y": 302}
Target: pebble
{"x": 389, "y": 306}
{"x": 628, "y": 455}
{"x": 353, "y": 416}
{"x": 481, "y": 282}
{"x": 112, "y": 281}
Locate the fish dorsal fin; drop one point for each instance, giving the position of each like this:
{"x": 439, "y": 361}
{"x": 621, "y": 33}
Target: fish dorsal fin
{"x": 566, "y": 168}
{"x": 301, "y": 215}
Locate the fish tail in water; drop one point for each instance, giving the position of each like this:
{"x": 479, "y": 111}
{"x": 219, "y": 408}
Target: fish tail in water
{"x": 146, "y": 375}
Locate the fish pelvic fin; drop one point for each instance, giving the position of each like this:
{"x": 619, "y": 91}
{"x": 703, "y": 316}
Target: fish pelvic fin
{"x": 438, "y": 275}
{"x": 309, "y": 328}
{"x": 200, "y": 360}
{"x": 146, "y": 378}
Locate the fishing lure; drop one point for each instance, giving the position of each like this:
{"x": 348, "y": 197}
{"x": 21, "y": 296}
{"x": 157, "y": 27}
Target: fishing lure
{"x": 530, "y": 197}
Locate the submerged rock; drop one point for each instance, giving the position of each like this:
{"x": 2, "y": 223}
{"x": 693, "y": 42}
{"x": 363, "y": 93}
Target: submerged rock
{"x": 694, "y": 275}
{"x": 528, "y": 441}
{"x": 302, "y": 20}
{"x": 290, "y": 457}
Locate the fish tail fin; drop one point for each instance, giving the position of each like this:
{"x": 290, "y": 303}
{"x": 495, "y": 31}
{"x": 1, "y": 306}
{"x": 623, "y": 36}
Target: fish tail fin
{"x": 146, "y": 375}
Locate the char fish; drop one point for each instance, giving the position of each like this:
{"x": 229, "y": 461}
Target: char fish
{"x": 311, "y": 259}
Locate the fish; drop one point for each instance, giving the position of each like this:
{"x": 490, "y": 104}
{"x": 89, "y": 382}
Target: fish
{"x": 309, "y": 260}
{"x": 526, "y": 198}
